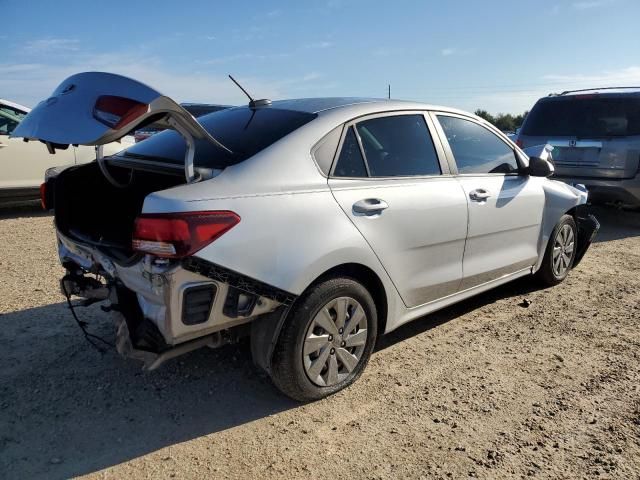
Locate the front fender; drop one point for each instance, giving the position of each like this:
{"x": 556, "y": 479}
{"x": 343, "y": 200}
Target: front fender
{"x": 559, "y": 198}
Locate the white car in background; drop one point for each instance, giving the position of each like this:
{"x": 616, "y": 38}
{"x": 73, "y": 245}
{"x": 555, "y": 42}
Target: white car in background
{"x": 23, "y": 164}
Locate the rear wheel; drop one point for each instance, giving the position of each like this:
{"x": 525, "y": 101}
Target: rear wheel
{"x": 560, "y": 253}
{"x": 326, "y": 341}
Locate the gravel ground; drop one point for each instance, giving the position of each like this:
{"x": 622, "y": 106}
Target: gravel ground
{"x": 488, "y": 388}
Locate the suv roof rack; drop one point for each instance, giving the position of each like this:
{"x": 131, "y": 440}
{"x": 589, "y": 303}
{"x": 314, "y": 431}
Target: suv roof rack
{"x": 566, "y": 92}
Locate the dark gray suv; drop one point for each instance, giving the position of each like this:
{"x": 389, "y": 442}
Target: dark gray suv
{"x": 596, "y": 140}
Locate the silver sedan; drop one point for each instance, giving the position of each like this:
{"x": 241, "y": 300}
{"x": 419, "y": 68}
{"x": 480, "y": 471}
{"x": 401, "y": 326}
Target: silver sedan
{"x": 312, "y": 226}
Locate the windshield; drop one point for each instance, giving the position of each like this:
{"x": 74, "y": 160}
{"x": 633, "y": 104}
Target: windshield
{"x": 243, "y": 130}
{"x": 584, "y": 116}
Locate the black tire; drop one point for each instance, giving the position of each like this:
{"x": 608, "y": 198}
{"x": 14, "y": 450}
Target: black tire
{"x": 546, "y": 274}
{"x": 288, "y": 364}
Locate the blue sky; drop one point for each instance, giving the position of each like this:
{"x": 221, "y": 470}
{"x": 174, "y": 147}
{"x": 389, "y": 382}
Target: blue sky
{"x": 492, "y": 54}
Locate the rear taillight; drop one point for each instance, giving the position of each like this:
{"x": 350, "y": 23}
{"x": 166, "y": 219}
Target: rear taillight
{"x": 43, "y": 195}
{"x": 116, "y": 112}
{"x": 520, "y": 143}
{"x": 178, "y": 235}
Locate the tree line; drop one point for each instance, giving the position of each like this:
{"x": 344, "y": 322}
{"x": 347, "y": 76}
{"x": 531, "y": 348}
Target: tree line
{"x": 504, "y": 121}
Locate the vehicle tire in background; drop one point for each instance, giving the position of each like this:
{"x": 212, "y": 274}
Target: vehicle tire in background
{"x": 560, "y": 253}
{"x": 326, "y": 340}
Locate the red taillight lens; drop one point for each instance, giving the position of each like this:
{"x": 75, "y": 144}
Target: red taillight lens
{"x": 519, "y": 143}
{"x": 116, "y": 112}
{"x": 178, "y": 235}
{"x": 43, "y": 195}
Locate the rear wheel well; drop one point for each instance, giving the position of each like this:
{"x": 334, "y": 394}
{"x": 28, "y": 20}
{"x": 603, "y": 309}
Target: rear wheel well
{"x": 369, "y": 279}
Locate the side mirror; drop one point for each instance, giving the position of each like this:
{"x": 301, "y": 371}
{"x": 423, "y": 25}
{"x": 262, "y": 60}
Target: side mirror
{"x": 539, "y": 167}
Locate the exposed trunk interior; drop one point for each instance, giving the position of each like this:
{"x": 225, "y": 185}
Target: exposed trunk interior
{"x": 89, "y": 208}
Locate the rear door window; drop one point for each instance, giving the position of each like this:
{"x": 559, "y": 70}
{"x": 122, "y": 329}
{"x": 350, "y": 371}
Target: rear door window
{"x": 398, "y": 145}
{"x": 584, "y": 116}
{"x": 476, "y": 149}
{"x": 389, "y": 146}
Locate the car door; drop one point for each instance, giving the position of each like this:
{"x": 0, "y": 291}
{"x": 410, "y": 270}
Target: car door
{"x": 22, "y": 164}
{"x": 391, "y": 178}
{"x": 505, "y": 206}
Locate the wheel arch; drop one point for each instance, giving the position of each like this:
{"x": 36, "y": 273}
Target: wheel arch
{"x": 369, "y": 279}
{"x": 265, "y": 331}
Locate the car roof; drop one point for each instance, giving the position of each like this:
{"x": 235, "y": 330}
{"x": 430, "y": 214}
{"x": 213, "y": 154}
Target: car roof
{"x": 355, "y": 104}
{"x": 14, "y": 105}
{"x": 609, "y": 92}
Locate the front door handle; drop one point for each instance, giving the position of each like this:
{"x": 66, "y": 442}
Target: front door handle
{"x": 479, "y": 195}
{"x": 369, "y": 206}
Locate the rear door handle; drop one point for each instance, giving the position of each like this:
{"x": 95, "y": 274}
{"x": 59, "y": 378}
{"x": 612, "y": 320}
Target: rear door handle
{"x": 479, "y": 195}
{"x": 369, "y": 206}
{"x": 2, "y": 145}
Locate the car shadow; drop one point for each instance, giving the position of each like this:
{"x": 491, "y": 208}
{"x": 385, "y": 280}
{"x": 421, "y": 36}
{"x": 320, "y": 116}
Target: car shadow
{"x": 22, "y": 209}
{"x": 517, "y": 288}
{"x": 68, "y": 410}
{"x": 615, "y": 224}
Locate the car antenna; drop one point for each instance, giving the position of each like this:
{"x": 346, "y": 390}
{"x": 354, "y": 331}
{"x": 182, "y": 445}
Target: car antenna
{"x": 263, "y": 102}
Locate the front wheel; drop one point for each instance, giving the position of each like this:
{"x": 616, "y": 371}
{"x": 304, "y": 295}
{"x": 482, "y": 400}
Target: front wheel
{"x": 560, "y": 253}
{"x": 326, "y": 340}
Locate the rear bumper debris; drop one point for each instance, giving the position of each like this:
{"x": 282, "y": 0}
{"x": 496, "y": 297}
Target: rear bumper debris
{"x": 164, "y": 309}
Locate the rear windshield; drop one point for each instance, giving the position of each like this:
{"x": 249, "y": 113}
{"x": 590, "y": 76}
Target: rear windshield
{"x": 584, "y": 116}
{"x": 242, "y": 130}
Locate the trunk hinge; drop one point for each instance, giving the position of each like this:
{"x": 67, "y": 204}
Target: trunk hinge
{"x": 189, "y": 170}
{"x": 187, "y": 135}
{"x": 186, "y": 126}
{"x": 104, "y": 170}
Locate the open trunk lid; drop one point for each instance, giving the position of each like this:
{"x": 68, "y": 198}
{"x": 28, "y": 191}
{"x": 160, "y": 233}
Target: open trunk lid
{"x": 96, "y": 108}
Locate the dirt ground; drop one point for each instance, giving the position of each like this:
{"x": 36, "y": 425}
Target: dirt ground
{"x": 488, "y": 388}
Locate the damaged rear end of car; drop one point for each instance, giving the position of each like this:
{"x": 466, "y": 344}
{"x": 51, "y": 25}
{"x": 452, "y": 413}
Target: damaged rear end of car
{"x": 164, "y": 306}
{"x": 123, "y": 244}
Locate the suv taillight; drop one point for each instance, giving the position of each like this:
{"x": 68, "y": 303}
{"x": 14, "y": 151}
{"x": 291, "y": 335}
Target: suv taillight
{"x": 178, "y": 235}
{"x": 519, "y": 143}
